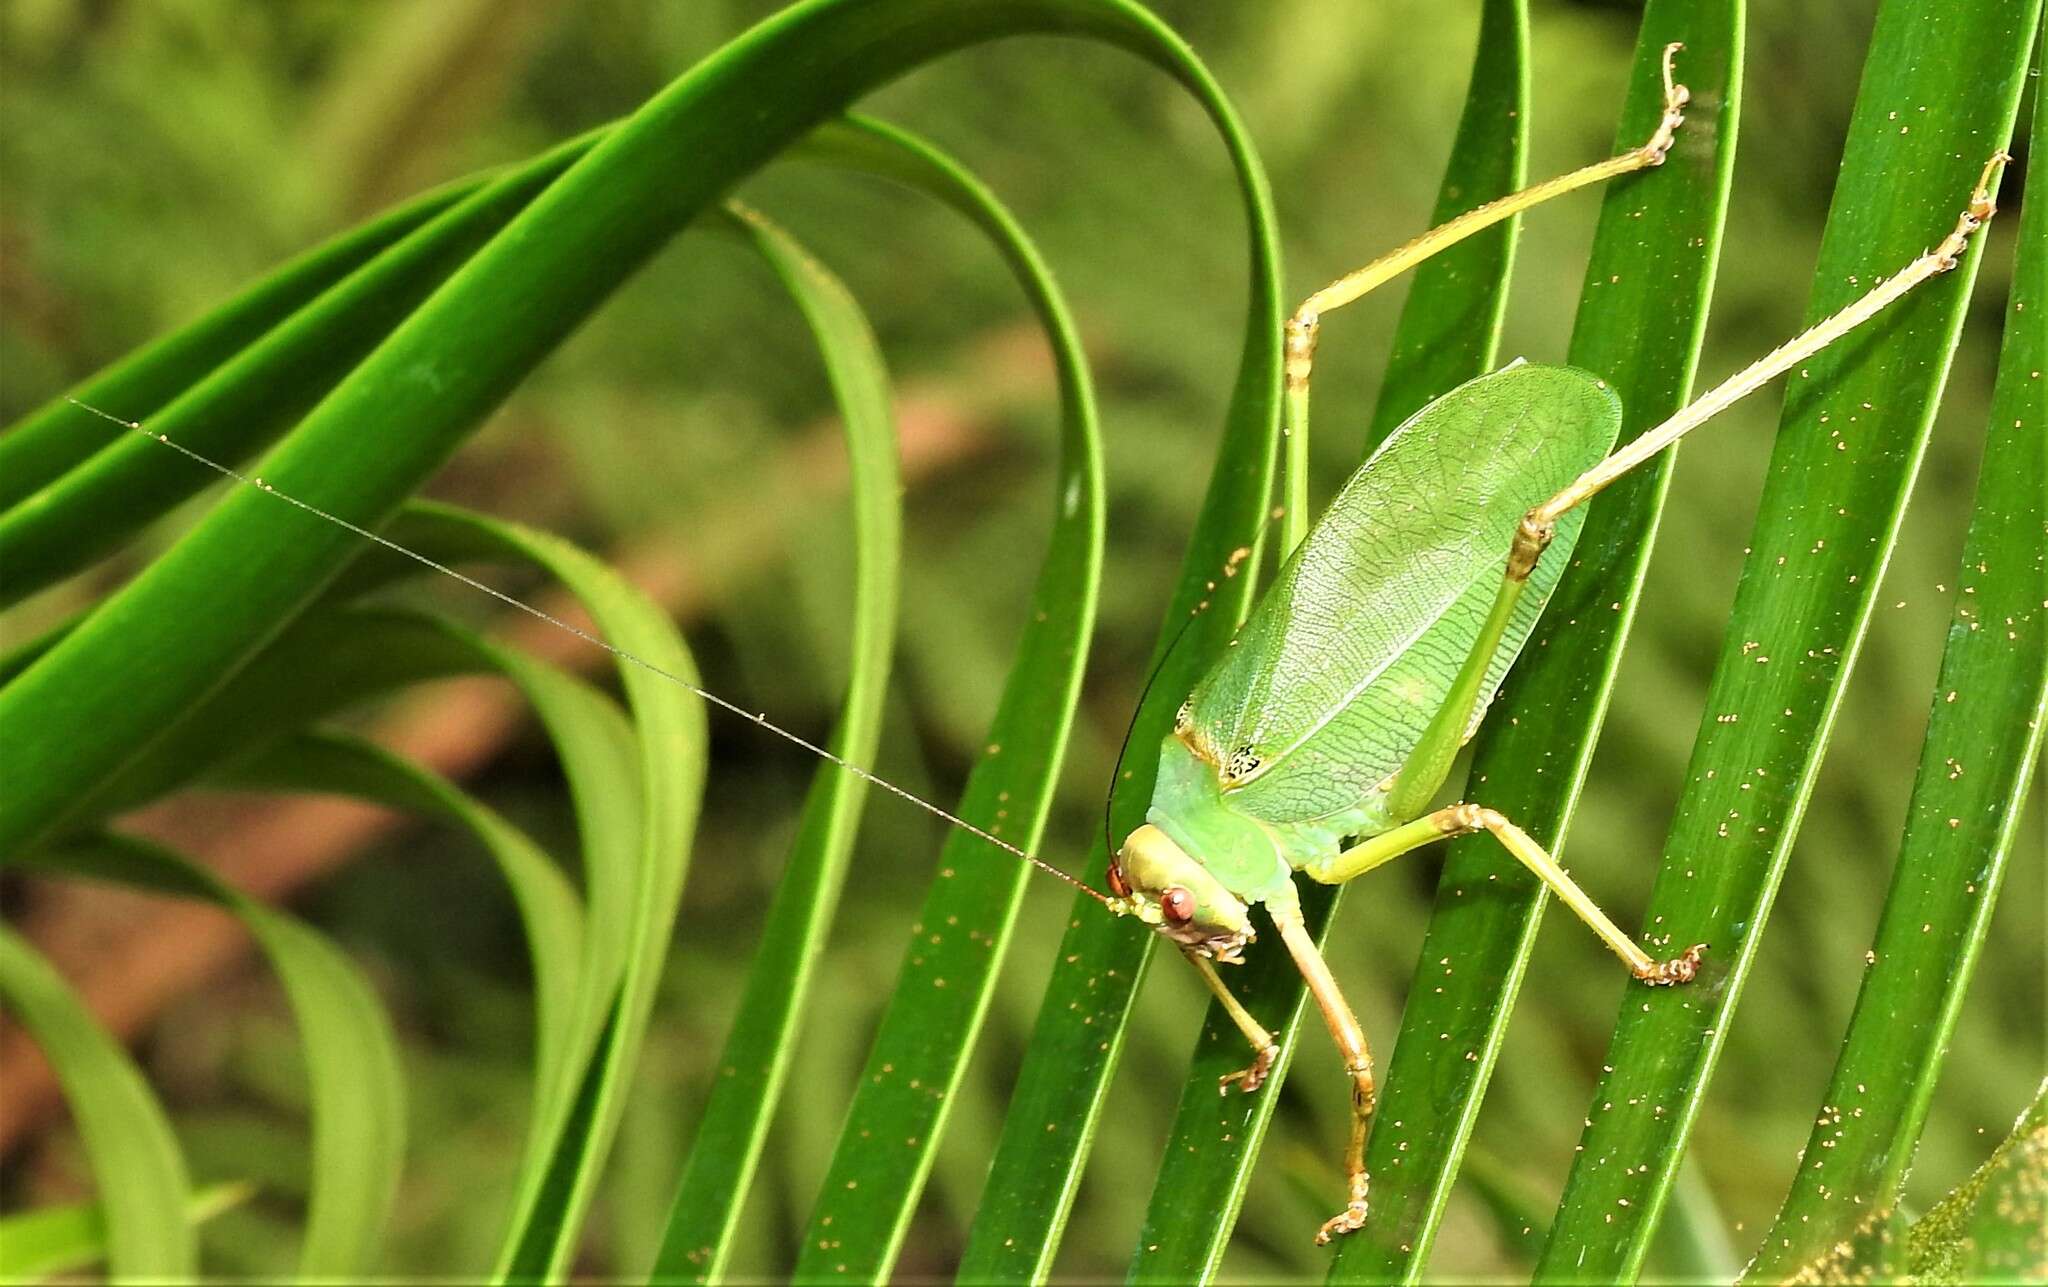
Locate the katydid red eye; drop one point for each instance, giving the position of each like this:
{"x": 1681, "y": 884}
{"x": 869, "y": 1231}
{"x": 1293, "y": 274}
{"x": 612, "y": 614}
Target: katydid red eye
{"x": 1178, "y": 904}
{"x": 1116, "y": 880}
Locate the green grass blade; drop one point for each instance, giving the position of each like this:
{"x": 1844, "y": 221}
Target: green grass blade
{"x": 1076, "y": 1042}
{"x": 249, "y": 397}
{"x": 352, "y": 1070}
{"x": 899, "y": 1110}
{"x": 549, "y": 910}
{"x": 754, "y": 1064}
{"x": 453, "y": 360}
{"x": 1983, "y": 733}
{"x": 1640, "y": 321}
{"x": 50, "y": 440}
{"x": 1854, "y": 430}
{"x": 631, "y": 909}
{"x": 48, "y": 1241}
{"x": 143, "y": 1188}
{"x": 1449, "y": 328}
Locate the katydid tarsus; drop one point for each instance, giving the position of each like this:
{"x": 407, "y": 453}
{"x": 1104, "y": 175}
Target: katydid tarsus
{"x": 1318, "y": 741}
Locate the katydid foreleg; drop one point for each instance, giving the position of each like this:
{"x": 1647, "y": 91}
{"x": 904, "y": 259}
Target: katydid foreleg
{"x": 1264, "y": 1048}
{"x": 1304, "y": 325}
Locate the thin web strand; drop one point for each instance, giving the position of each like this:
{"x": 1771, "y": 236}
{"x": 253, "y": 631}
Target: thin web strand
{"x": 622, "y": 654}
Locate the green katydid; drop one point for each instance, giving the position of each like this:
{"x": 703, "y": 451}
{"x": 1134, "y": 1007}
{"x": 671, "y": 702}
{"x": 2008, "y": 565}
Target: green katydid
{"x": 1319, "y": 739}
{"x": 1316, "y": 743}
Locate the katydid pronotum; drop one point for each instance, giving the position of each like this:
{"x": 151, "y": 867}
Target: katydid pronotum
{"x": 1318, "y": 741}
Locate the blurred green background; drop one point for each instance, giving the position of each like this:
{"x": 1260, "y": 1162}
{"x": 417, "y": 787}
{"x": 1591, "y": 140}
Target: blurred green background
{"x": 159, "y": 153}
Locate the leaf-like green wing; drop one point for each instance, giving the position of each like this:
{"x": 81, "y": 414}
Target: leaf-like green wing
{"x": 1346, "y": 659}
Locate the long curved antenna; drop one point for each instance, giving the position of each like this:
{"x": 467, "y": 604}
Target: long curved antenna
{"x": 701, "y": 693}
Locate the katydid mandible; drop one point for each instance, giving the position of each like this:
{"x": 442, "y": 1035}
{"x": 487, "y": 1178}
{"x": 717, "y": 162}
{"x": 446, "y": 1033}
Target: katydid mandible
{"x": 1317, "y": 742}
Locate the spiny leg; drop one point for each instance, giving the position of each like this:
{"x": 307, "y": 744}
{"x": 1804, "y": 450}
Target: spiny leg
{"x": 1350, "y": 1038}
{"x": 1264, "y": 1048}
{"x": 1302, "y": 328}
{"x": 1464, "y": 819}
{"x": 1540, "y": 523}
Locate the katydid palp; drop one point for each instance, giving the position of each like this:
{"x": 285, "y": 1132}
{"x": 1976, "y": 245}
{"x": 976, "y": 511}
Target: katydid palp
{"x": 1318, "y": 741}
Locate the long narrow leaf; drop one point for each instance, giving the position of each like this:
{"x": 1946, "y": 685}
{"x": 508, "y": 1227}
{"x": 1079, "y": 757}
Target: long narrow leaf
{"x": 1854, "y": 430}
{"x": 1640, "y": 321}
{"x": 143, "y": 1187}
{"x": 48, "y": 441}
{"x": 48, "y": 1241}
{"x": 1983, "y": 733}
{"x": 1448, "y": 333}
{"x": 378, "y": 435}
{"x": 358, "y": 1095}
{"x": 249, "y": 397}
{"x": 755, "y": 1061}
{"x": 1078, "y": 1038}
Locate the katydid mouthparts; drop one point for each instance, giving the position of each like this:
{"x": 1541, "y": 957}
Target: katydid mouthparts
{"x": 1318, "y": 740}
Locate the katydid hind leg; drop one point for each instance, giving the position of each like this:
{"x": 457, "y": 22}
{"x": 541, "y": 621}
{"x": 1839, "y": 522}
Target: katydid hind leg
{"x": 1537, "y": 526}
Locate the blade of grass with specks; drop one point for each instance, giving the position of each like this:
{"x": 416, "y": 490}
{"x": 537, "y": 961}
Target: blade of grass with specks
{"x": 1983, "y": 734}
{"x": 930, "y": 1028}
{"x": 1854, "y": 429}
{"x": 1448, "y": 333}
{"x": 755, "y": 1061}
{"x": 1079, "y": 1034}
{"x": 1640, "y": 321}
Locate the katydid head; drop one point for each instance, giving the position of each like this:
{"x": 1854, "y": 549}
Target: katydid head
{"x": 1157, "y": 881}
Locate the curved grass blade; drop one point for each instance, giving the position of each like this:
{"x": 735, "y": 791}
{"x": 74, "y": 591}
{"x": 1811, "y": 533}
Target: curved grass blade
{"x": 549, "y": 910}
{"x": 352, "y": 1071}
{"x": 899, "y": 1110}
{"x": 143, "y": 1187}
{"x": 453, "y": 360}
{"x": 754, "y": 1063}
{"x": 629, "y": 924}
{"x": 1075, "y": 1044}
{"x": 1449, "y": 330}
{"x": 251, "y": 396}
{"x": 1983, "y": 733}
{"x": 1640, "y": 322}
{"x": 48, "y": 1241}
{"x": 1855, "y": 425}
{"x": 42, "y": 445}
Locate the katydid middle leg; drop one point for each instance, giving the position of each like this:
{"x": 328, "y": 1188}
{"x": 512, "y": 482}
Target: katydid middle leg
{"x": 1466, "y": 819}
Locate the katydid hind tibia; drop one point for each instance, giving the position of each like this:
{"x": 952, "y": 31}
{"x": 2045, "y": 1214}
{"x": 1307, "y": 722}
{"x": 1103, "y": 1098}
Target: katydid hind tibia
{"x": 1317, "y": 741}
